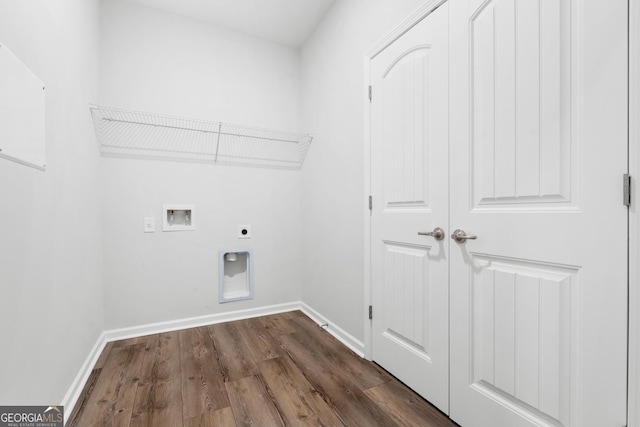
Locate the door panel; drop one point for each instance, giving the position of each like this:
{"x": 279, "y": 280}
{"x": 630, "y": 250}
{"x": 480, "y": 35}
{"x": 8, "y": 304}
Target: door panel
{"x": 404, "y": 125}
{"x": 410, "y": 194}
{"x": 406, "y": 271}
{"x": 538, "y": 301}
{"x": 522, "y": 333}
{"x": 520, "y": 107}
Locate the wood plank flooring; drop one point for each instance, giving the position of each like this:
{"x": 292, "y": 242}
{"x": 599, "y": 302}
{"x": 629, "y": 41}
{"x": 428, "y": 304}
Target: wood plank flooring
{"x": 278, "y": 370}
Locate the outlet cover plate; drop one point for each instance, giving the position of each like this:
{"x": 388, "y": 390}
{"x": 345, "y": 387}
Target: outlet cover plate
{"x": 149, "y": 224}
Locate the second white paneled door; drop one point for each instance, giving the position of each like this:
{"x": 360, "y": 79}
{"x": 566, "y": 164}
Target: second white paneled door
{"x": 539, "y": 300}
{"x": 517, "y": 135}
{"x": 409, "y": 181}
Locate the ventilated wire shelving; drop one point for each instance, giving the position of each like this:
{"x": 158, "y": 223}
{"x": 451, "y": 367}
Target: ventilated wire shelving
{"x": 135, "y": 134}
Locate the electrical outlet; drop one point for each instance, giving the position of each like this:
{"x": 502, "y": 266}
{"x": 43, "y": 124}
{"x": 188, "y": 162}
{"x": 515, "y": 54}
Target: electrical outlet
{"x": 149, "y": 224}
{"x": 244, "y": 232}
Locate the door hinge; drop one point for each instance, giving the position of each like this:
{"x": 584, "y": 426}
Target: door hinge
{"x": 626, "y": 189}
{"x": 370, "y": 93}
{"x": 370, "y": 312}
{"x": 370, "y": 202}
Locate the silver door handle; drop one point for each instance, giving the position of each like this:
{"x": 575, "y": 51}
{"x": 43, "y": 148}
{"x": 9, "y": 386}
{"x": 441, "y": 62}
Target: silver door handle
{"x": 460, "y": 236}
{"x": 437, "y": 233}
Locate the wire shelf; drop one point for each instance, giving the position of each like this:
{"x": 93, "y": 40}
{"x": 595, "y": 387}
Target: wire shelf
{"x": 135, "y": 134}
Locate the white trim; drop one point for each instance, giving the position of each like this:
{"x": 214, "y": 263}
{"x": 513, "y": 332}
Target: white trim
{"x": 340, "y": 334}
{"x": 194, "y": 322}
{"x": 367, "y": 213}
{"x": 411, "y": 21}
{"x": 418, "y": 15}
{"x": 71, "y": 398}
{"x": 634, "y": 218}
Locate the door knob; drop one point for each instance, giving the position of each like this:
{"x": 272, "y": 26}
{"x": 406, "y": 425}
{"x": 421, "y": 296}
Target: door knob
{"x": 460, "y": 236}
{"x": 437, "y": 233}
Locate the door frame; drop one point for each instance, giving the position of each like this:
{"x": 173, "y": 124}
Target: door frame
{"x": 418, "y": 15}
{"x": 633, "y": 394}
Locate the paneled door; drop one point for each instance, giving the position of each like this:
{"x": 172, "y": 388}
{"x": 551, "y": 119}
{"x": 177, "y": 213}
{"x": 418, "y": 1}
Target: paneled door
{"x": 409, "y": 174}
{"x": 538, "y": 150}
{"x": 504, "y": 122}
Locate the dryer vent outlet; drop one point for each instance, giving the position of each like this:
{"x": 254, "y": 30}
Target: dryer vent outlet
{"x": 236, "y": 277}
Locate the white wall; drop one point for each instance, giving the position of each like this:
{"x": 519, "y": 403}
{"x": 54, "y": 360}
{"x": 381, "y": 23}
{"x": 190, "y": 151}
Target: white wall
{"x": 50, "y": 229}
{"x": 333, "y": 199}
{"x": 160, "y": 62}
{"x": 163, "y": 63}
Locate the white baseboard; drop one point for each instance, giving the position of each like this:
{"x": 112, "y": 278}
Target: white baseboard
{"x": 341, "y": 335}
{"x": 75, "y": 390}
{"x": 70, "y": 399}
{"x": 194, "y": 322}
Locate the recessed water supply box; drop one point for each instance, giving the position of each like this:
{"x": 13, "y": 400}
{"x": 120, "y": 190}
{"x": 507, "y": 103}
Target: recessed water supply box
{"x": 236, "y": 275}
{"x": 178, "y": 217}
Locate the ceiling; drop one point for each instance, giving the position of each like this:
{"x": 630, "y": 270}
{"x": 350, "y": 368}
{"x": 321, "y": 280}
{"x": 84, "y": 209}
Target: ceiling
{"x": 288, "y": 22}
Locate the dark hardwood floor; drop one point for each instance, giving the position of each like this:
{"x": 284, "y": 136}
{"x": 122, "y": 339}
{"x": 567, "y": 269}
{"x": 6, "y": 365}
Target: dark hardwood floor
{"x": 268, "y": 371}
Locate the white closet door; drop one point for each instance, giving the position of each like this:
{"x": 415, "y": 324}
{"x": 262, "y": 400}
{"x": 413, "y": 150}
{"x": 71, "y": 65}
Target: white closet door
{"x": 409, "y": 134}
{"x": 538, "y": 151}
